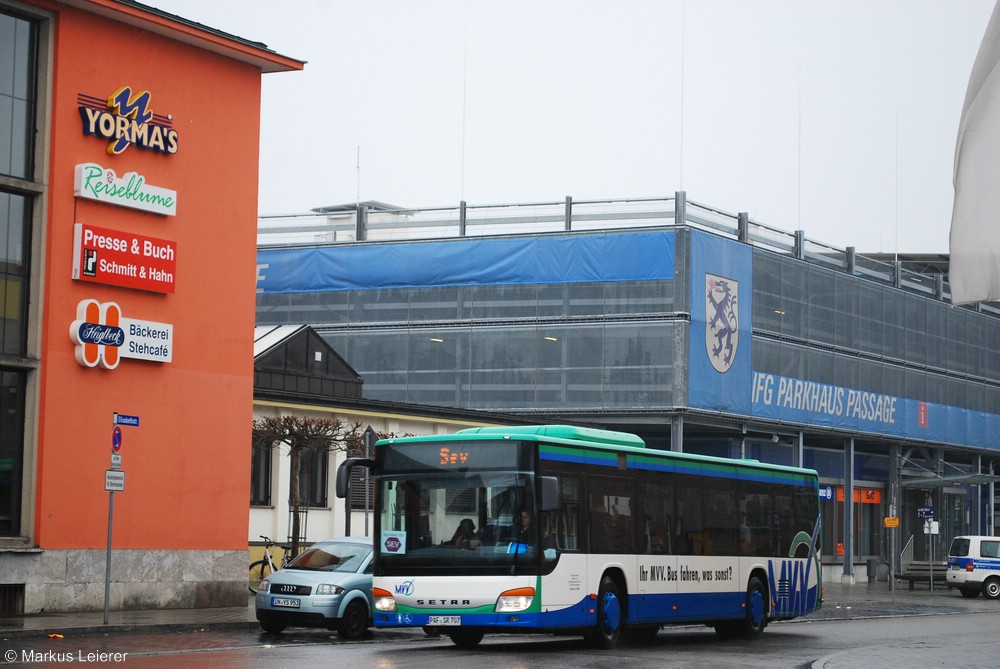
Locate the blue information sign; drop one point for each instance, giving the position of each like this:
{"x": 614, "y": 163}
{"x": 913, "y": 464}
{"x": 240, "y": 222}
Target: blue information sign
{"x": 122, "y": 419}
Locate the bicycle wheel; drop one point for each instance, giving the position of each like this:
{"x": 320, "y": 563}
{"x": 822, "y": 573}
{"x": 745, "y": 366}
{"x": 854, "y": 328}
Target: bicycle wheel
{"x": 259, "y": 570}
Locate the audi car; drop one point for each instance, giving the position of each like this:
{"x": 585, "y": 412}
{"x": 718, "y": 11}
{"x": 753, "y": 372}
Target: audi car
{"x": 327, "y": 586}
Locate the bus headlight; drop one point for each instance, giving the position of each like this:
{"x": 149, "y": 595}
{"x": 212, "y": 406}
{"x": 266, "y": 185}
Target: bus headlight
{"x": 384, "y": 601}
{"x": 512, "y": 601}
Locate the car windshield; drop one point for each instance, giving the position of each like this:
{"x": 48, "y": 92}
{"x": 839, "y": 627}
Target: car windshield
{"x": 334, "y": 556}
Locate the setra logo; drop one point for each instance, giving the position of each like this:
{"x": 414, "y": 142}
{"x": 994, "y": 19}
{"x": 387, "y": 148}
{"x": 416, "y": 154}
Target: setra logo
{"x": 97, "y": 334}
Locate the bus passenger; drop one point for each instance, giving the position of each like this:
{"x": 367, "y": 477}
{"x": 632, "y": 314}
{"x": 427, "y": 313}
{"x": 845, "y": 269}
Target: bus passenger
{"x": 466, "y": 536}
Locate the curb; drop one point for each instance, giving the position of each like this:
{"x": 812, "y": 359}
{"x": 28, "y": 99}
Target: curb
{"x": 7, "y": 634}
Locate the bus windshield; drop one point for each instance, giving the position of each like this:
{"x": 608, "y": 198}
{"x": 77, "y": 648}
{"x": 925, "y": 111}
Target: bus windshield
{"x": 468, "y": 508}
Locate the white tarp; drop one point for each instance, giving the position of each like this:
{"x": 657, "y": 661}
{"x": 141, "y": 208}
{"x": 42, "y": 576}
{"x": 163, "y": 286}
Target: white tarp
{"x": 975, "y": 222}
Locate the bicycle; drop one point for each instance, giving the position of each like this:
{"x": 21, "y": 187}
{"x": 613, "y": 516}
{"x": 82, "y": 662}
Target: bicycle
{"x": 261, "y": 569}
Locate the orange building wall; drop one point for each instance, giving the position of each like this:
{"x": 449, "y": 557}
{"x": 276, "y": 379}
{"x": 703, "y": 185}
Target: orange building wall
{"x": 187, "y": 464}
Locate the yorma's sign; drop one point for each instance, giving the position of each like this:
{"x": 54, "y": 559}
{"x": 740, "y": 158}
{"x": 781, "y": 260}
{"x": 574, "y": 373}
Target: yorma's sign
{"x": 125, "y": 118}
{"x": 103, "y": 336}
{"x": 94, "y": 182}
{"x": 123, "y": 259}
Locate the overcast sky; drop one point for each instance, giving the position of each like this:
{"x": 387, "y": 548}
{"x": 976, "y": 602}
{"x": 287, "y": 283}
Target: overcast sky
{"x": 838, "y": 117}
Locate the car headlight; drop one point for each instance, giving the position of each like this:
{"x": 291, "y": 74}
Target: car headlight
{"x": 329, "y": 589}
{"x": 384, "y": 601}
{"x": 512, "y": 601}
{"x": 263, "y": 586}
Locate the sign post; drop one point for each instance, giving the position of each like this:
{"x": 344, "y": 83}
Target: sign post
{"x": 114, "y": 481}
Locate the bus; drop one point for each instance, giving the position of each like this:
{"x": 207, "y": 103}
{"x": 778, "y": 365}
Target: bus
{"x": 568, "y": 530}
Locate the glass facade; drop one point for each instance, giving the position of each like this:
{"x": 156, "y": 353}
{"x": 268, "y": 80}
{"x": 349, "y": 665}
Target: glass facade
{"x": 15, "y": 225}
{"x": 17, "y": 96}
{"x": 821, "y": 325}
{"x": 435, "y": 304}
{"x": 543, "y": 365}
{"x": 17, "y": 193}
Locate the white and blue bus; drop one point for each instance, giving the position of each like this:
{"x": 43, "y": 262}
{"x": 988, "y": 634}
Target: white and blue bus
{"x": 566, "y": 530}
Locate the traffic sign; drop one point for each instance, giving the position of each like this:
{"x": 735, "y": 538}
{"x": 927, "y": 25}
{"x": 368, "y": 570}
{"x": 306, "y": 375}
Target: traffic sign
{"x": 122, "y": 419}
{"x": 114, "y": 480}
{"x": 116, "y": 438}
{"x": 925, "y": 512}
{"x": 116, "y": 461}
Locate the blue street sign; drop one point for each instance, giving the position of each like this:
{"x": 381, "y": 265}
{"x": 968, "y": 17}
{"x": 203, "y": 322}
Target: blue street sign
{"x": 925, "y": 512}
{"x": 122, "y": 419}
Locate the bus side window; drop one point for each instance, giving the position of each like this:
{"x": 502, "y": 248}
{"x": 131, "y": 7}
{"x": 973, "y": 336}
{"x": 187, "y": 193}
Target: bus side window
{"x": 569, "y": 525}
{"x": 655, "y": 540}
{"x": 602, "y": 531}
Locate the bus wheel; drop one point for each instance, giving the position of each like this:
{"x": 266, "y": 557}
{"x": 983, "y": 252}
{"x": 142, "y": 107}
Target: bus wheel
{"x": 466, "y": 638}
{"x": 608, "y": 629}
{"x": 755, "y": 619}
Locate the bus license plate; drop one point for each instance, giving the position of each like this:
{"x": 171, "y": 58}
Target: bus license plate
{"x": 289, "y": 603}
{"x": 444, "y": 620}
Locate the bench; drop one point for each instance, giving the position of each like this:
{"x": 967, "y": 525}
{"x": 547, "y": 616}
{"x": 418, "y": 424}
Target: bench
{"x": 920, "y": 571}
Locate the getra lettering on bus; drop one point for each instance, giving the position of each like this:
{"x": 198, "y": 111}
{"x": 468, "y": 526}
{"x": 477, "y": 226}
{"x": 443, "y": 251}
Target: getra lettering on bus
{"x": 443, "y": 602}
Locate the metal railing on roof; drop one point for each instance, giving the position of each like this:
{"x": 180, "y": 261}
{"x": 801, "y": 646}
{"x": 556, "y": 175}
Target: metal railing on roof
{"x": 361, "y": 223}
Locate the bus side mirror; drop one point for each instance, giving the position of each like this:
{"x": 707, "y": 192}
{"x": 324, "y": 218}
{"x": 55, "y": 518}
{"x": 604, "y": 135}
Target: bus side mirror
{"x": 344, "y": 474}
{"x": 550, "y": 493}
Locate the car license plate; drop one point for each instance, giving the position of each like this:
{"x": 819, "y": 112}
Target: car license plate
{"x": 444, "y": 620}
{"x": 282, "y": 601}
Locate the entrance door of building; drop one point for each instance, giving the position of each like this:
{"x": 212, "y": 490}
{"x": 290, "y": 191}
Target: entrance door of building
{"x": 946, "y": 507}
{"x": 869, "y": 510}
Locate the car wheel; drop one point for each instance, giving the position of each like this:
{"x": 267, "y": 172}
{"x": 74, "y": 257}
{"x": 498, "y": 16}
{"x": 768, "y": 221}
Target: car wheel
{"x": 991, "y": 588}
{"x": 971, "y": 593}
{"x": 354, "y": 622}
{"x": 272, "y": 627}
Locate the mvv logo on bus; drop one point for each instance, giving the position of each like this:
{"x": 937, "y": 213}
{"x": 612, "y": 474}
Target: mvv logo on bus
{"x": 794, "y": 591}
{"x": 790, "y": 590}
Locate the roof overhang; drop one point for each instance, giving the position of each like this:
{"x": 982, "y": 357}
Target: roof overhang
{"x": 190, "y": 32}
{"x": 957, "y": 479}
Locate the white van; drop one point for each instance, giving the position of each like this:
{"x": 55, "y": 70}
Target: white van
{"x": 974, "y": 566}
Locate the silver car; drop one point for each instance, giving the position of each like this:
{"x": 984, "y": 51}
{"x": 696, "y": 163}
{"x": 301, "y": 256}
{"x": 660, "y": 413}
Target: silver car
{"x": 327, "y": 586}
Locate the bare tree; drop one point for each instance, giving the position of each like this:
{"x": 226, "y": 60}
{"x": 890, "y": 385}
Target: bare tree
{"x": 302, "y": 433}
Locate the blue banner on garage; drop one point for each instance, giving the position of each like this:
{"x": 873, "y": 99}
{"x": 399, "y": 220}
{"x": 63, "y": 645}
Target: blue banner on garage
{"x": 721, "y": 301}
{"x": 577, "y": 258}
{"x": 795, "y": 400}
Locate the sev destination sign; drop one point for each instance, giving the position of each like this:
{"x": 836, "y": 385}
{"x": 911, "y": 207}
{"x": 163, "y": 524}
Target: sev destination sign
{"x": 123, "y": 259}
{"x": 94, "y": 182}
